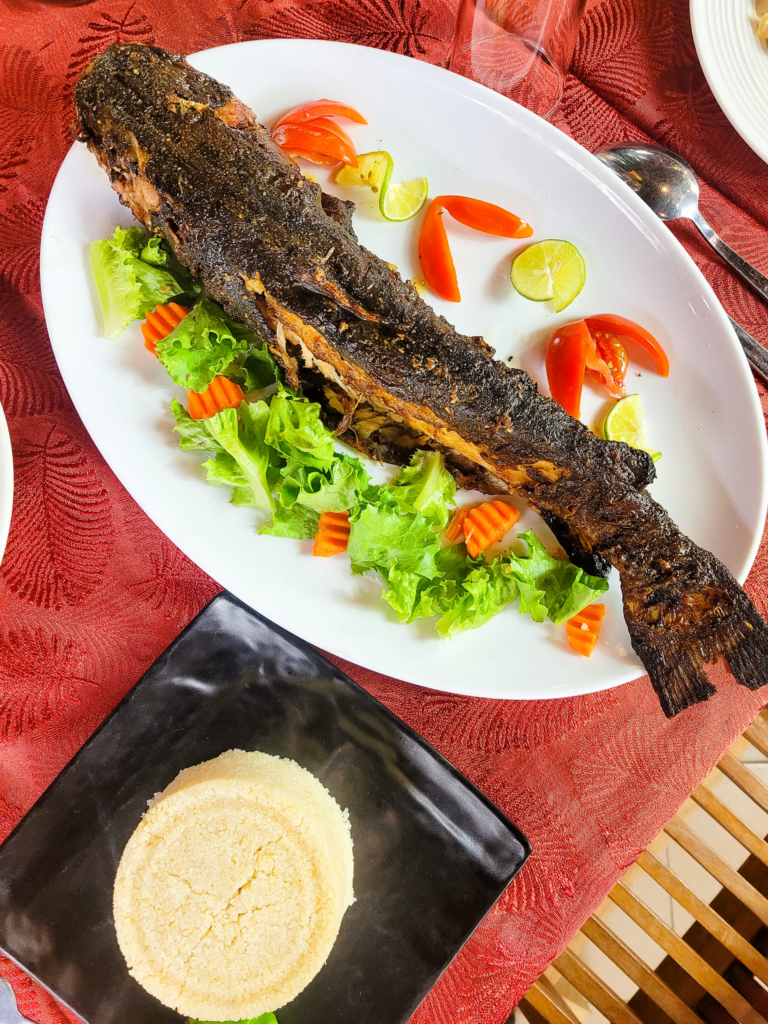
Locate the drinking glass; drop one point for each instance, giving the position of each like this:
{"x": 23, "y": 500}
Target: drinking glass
{"x": 520, "y": 48}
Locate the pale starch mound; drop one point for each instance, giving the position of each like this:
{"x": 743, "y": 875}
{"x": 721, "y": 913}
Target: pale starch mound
{"x": 230, "y": 893}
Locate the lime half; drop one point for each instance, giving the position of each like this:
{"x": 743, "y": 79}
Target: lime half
{"x": 552, "y": 269}
{"x": 403, "y": 200}
{"x": 373, "y": 171}
{"x": 625, "y": 422}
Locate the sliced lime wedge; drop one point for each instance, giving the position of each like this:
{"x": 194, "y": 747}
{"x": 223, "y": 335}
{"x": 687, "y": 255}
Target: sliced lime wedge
{"x": 551, "y": 269}
{"x": 373, "y": 171}
{"x": 404, "y": 199}
{"x": 625, "y": 422}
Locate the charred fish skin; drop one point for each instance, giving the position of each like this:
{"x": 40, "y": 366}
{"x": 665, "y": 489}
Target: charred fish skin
{"x": 194, "y": 165}
{"x": 240, "y": 215}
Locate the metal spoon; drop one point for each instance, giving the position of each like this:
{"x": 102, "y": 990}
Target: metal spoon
{"x": 9, "y": 1013}
{"x": 668, "y": 184}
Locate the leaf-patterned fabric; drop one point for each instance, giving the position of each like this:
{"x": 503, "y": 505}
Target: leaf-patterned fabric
{"x": 91, "y": 592}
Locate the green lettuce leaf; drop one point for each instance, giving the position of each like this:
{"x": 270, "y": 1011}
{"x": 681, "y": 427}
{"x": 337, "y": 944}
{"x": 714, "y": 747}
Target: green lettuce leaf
{"x": 549, "y": 586}
{"x": 382, "y": 539}
{"x": 426, "y": 487}
{"x": 243, "y": 460}
{"x": 478, "y": 597}
{"x": 127, "y": 285}
{"x": 298, "y": 522}
{"x": 244, "y": 442}
{"x": 255, "y": 370}
{"x": 194, "y": 435}
{"x": 296, "y": 431}
{"x": 468, "y": 594}
{"x": 156, "y": 252}
{"x": 334, "y": 490}
{"x": 203, "y": 346}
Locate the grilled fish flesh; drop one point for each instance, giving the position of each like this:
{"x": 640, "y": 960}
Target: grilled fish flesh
{"x": 194, "y": 166}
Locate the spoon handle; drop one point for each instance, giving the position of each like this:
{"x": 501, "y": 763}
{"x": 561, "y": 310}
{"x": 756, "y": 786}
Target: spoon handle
{"x": 753, "y": 350}
{"x": 750, "y": 274}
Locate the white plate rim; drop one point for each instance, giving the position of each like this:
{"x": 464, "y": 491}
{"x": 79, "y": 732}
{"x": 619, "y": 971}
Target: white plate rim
{"x": 583, "y": 161}
{"x": 6, "y": 482}
{"x": 725, "y": 58}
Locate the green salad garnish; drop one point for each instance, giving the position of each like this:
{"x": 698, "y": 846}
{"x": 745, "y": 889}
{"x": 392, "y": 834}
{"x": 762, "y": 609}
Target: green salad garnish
{"x": 134, "y": 275}
{"x": 278, "y": 456}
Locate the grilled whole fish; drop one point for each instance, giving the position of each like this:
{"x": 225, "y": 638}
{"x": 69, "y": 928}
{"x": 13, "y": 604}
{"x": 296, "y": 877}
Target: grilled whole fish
{"x": 195, "y": 167}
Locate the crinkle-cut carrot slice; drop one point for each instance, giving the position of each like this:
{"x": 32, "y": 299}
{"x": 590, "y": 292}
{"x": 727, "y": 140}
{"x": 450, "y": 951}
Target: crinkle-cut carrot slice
{"x": 487, "y": 523}
{"x": 332, "y": 534}
{"x": 160, "y": 322}
{"x": 583, "y": 629}
{"x": 455, "y": 529}
{"x": 222, "y": 393}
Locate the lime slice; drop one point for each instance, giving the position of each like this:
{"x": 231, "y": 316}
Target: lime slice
{"x": 403, "y": 200}
{"x": 625, "y": 422}
{"x": 552, "y": 269}
{"x": 373, "y": 171}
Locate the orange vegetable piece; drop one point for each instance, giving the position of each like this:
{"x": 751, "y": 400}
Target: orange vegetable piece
{"x": 435, "y": 255}
{"x": 316, "y": 137}
{"x": 627, "y": 330}
{"x": 222, "y": 393}
{"x": 488, "y": 523}
{"x": 434, "y": 251}
{"x": 455, "y": 528}
{"x": 332, "y": 534}
{"x": 583, "y": 629}
{"x": 313, "y": 158}
{"x": 319, "y": 108}
{"x": 485, "y": 217}
{"x": 160, "y": 322}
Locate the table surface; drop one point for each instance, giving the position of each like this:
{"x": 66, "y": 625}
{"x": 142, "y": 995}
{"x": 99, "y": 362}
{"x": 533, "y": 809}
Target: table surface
{"x": 91, "y": 591}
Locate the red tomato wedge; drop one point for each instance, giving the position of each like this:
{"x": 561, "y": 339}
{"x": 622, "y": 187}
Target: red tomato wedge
{"x": 331, "y": 126}
{"x": 628, "y": 331}
{"x": 313, "y": 139}
{"x": 608, "y": 372}
{"x": 435, "y": 255}
{"x": 613, "y": 355}
{"x": 320, "y": 108}
{"x": 314, "y": 158}
{"x": 566, "y": 361}
{"x": 485, "y": 217}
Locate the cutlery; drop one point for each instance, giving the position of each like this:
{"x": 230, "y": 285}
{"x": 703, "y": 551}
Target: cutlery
{"x": 9, "y": 1013}
{"x": 668, "y": 185}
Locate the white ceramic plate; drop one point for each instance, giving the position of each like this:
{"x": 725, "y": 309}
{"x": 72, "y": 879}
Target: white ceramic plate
{"x": 705, "y": 418}
{"x": 6, "y": 482}
{"x": 735, "y": 63}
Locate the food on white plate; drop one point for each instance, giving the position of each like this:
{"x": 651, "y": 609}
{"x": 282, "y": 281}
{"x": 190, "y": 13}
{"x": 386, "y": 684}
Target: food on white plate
{"x": 398, "y": 201}
{"x": 277, "y": 455}
{"x": 596, "y": 347}
{"x": 435, "y": 254}
{"x": 551, "y": 269}
{"x": 230, "y": 893}
{"x": 196, "y": 168}
{"x": 625, "y": 422}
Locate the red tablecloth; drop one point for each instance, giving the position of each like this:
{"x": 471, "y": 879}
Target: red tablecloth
{"x": 91, "y": 591}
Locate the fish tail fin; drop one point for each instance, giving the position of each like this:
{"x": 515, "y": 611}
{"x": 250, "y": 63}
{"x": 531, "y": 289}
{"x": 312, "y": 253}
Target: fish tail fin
{"x": 680, "y": 623}
{"x": 679, "y": 683}
{"x": 747, "y": 654}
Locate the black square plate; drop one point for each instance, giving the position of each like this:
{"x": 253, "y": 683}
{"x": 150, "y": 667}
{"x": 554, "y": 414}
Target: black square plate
{"x": 432, "y": 854}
